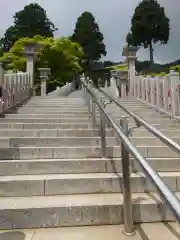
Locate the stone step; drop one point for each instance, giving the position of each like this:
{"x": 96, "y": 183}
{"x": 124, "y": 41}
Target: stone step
{"x": 57, "y": 102}
{"x": 56, "y": 166}
{"x": 61, "y": 100}
{"x": 142, "y": 114}
{"x": 53, "y": 141}
{"x": 152, "y": 118}
{"x": 74, "y": 141}
{"x": 58, "y": 123}
{"x": 53, "y": 111}
{"x": 53, "y": 133}
{"x": 155, "y": 121}
{"x": 136, "y": 105}
{"x": 45, "y": 120}
{"x": 43, "y": 125}
{"x": 48, "y": 115}
{"x": 141, "y": 132}
{"x": 57, "y": 105}
{"x": 161, "y": 124}
{"x": 82, "y": 116}
{"x": 81, "y": 152}
{"x": 88, "y": 183}
{"x": 56, "y": 99}
{"x": 80, "y": 165}
{"x": 132, "y": 108}
{"x": 152, "y": 231}
{"x": 158, "y": 164}
{"x": 79, "y": 210}
{"x": 59, "y": 112}
{"x": 139, "y": 112}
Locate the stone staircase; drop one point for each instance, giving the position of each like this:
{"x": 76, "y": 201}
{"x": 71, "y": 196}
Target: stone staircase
{"x": 52, "y": 174}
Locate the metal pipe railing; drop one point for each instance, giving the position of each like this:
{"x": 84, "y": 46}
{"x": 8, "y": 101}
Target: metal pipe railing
{"x": 141, "y": 122}
{"x": 128, "y": 148}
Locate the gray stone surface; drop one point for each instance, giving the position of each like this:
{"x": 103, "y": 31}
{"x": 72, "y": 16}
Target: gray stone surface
{"x": 52, "y": 173}
{"x": 78, "y": 210}
{"x": 52, "y": 166}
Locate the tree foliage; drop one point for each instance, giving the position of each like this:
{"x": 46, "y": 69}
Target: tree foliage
{"x": 61, "y": 55}
{"x": 149, "y": 25}
{"x": 175, "y": 68}
{"x": 29, "y": 22}
{"x": 10, "y": 36}
{"x": 88, "y": 35}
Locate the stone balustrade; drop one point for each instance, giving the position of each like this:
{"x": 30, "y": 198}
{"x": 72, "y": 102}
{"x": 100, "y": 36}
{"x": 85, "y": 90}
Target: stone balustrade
{"x": 62, "y": 91}
{"x": 160, "y": 92}
{"x": 118, "y": 84}
{"x": 163, "y": 93}
{"x": 16, "y": 88}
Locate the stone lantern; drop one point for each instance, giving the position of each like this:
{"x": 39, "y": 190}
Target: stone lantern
{"x": 30, "y": 50}
{"x": 130, "y": 54}
{"x": 113, "y": 82}
{"x": 114, "y": 74}
{"x": 44, "y": 75}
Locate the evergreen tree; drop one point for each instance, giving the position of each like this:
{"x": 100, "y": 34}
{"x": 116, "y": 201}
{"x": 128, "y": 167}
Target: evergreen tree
{"x": 149, "y": 25}
{"x": 88, "y": 35}
{"x": 29, "y": 22}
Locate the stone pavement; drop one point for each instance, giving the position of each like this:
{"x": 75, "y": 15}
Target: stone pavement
{"x": 149, "y": 231}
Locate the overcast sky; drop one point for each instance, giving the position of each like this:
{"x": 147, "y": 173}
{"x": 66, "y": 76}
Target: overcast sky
{"x": 113, "y": 17}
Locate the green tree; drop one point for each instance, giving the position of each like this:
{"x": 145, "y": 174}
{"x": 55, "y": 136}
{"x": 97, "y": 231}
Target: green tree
{"x": 9, "y": 38}
{"x": 29, "y": 22}
{"x": 149, "y": 25}
{"x": 61, "y": 55}
{"x": 88, "y": 35}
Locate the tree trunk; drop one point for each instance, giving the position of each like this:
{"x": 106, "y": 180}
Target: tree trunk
{"x": 151, "y": 50}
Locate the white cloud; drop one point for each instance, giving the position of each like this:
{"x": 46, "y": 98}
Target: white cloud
{"x": 112, "y": 16}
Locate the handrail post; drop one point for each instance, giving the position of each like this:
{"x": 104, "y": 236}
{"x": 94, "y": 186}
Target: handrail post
{"x": 126, "y": 175}
{"x": 88, "y": 102}
{"x": 94, "y": 113}
{"x": 103, "y": 132}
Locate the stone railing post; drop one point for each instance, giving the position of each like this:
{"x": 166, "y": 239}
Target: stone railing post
{"x": 131, "y": 74}
{"x": 165, "y": 92}
{"x": 1, "y": 75}
{"x": 123, "y": 90}
{"x": 158, "y": 95}
{"x": 113, "y": 84}
{"x": 146, "y": 88}
{"x": 174, "y": 81}
{"x": 152, "y": 84}
{"x": 135, "y": 86}
{"x": 2, "y": 85}
{"x": 139, "y": 79}
{"x": 114, "y": 88}
{"x": 143, "y": 88}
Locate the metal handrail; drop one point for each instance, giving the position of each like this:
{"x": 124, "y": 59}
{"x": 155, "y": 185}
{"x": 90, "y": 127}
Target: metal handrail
{"x": 141, "y": 122}
{"x": 163, "y": 189}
